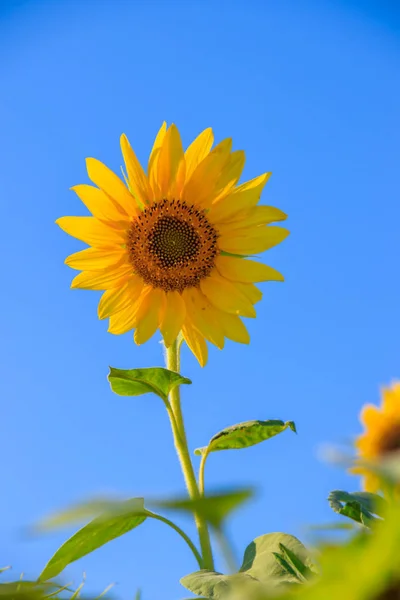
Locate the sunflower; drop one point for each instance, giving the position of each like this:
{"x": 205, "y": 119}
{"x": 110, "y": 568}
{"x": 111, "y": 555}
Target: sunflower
{"x": 169, "y": 247}
{"x": 381, "y": 437}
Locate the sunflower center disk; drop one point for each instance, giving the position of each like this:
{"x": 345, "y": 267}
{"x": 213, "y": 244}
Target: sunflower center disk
{"x": 172, "y": 245}
{"x": 391, "y": 441}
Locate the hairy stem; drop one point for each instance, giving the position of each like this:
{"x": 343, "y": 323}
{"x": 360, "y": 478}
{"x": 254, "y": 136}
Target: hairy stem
{"x": 181, "y": 445}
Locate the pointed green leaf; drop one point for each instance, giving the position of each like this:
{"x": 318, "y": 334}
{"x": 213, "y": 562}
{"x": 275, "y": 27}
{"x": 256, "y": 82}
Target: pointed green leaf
{"x": 260, "y": 560}
{"x": 79, "y": 512}
{"x": 135, "y": 382}
{"x": 302, "y": 571}
{"x": 244, "y": 435}
{"x": 359, "y": 506}
{"x": 213, "y": 507}
{"x": 224, "y": 253}
{"x": 124, "y": 517}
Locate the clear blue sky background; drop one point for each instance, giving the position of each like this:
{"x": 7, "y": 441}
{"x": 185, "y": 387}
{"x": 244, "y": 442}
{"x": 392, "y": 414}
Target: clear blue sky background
{"x": 311, "y": 91}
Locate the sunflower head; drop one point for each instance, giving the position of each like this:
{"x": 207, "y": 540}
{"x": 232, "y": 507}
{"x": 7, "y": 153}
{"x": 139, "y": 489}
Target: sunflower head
{"x": 169, "y": 247}
{"x": 381, "y": 438}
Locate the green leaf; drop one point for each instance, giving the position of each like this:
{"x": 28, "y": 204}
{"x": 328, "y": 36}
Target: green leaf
{"x": 213, "y": 507}
{"x": 214, "y": 585}
{"x": 124, "y": 517}
{"x": 78, "y": 513}
{"x": 260, "y": 559}
{"x": 358, "y": 506}
{"x": 135, "y": 382}
{"x": 224, "y": 253}
{"x": 301, "y": 570}
{"x": 244, "y": 435}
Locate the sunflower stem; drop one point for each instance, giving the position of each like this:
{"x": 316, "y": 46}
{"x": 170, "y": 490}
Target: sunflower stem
{"x": 181, "y": 446}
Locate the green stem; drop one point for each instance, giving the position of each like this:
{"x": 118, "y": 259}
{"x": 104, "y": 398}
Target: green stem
{"x": 201, "y": 472}
{"x": 181, "y": 445}
{"x": 180, "y": 532}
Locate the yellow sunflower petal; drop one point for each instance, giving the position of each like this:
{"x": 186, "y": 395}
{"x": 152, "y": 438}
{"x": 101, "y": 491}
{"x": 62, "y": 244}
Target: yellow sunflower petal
{"x": 116, "y": 299}
{"x": 148, "y": 314}
{"x": 170, "y": 158}
{"x": 102, "y": 280}
{"x": 173, "y": 317}
{"x": 371, "y": 416}
{"x": 91, "y": 231}
{"x": 243, "y": 269}
{"x": 203, "y": 316}
{"x": 96, "y": 259}
{"x": 137, "y": 178}
{"x": 100, "y": 205}
{"x": 224, "y": 295}
{"x": 230, "y": 174}
{"x": 245, "y": 196}
{"x": 152, "y": 169}
{"x": 259, "y": 215}
{"x": 252, "y": 293}
{"x": 391, "y": 399}
{"x": 124, "y": 320}
{"x": 198, "y": 150}
{"x": 157, "y": 144}
{"x": 112, "y": 185}
{"x": 201, "y": 187}
{"x": 252, "y": 241}
{"x": 196, "y": 342}
{"x": 371, "y": 482}
{"x": 233, "y": 328}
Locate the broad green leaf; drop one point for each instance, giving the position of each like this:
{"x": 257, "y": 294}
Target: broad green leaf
{"x": 213, "y": 507}
{"x": 213, "y": 585}
{"x": 359, "y": 506}
{"x": 260, "y": 561}
{"x": 124, "y": 517}
{"x": 135, "y": 382}
{"x": 244, "y": 435}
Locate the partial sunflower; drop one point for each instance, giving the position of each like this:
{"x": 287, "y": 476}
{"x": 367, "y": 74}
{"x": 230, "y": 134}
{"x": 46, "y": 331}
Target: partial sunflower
{"x": 167, "y": 247}
{"x": 381, "y": 437}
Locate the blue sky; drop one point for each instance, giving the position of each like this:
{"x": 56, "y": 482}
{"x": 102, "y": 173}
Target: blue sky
{"x": 311, "y": 93}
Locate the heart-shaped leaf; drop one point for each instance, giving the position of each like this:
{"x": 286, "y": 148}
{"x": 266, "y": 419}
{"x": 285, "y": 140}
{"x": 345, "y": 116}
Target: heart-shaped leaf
{"x": 213, "y": 585}
{"x": 359, "y": 506}
{"x": 244, "y": 435}
{"x": 123, "y": 517}
{"x": 260, "y": 559}
{"x": 135, "y": 382}
{"x": 213, "y": 507}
